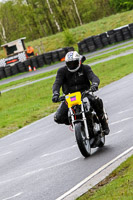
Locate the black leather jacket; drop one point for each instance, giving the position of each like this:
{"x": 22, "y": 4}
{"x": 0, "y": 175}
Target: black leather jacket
{"x": 74, "y": 81}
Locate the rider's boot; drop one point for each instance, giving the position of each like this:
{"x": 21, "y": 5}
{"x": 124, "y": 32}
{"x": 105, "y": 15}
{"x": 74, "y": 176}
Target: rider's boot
{"x": 104, "y": 123}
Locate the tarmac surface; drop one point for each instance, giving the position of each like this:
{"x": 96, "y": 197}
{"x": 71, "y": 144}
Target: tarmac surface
{"x": 42, "y": 161}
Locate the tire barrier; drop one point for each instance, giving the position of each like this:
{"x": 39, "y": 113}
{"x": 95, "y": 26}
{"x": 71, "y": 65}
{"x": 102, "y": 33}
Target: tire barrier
{"x": 126, "y": 33}
{"x": 61, "y": 53}
{"x": 27, "y": 63}
{"x": 8, "y": 71}
{"x": 2, "y": 73}
{"x": 104, "y": 39}
{"x": 55, "y": 56}
{"x": 40, "y": 60}
{"x": 34, "y": 62}
{"x": 21, "y": 67}
{"x": 118, "y": 35}
{"x": 131, "y": 29}
{"x": 111, "y": 36}
{"x": 47, "y": 58}
{"x": 14, "y": 69}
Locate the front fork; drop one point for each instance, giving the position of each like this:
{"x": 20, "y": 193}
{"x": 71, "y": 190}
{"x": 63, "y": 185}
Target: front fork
{"x": 84, "y": 120}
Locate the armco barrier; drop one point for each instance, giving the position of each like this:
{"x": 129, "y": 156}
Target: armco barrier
{"x": 110, "y": 37}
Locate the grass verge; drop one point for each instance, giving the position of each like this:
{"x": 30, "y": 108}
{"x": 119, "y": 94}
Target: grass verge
{"x": 117, "y": 186}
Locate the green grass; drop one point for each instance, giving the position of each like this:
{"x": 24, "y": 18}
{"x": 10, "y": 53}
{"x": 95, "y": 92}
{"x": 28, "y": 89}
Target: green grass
{"x": 22, "y": 106}
{"x": 117, "y": 186}
{"x": 81, "y": 32}
{"x": 26, "y": 80}
{"x": 25, "y": 105}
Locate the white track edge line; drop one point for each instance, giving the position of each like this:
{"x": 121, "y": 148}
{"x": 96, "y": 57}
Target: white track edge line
{"x": 94, "y": 174}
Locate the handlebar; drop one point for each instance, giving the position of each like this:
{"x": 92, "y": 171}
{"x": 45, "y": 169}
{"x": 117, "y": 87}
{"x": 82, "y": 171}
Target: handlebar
{"x": 62, "y": 98}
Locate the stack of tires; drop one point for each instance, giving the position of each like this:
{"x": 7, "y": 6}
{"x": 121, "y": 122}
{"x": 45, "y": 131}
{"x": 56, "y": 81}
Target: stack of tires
{"x": 90, "y": 44}
{"x": 27, "y": 63}
{"x": 34, "y": 62}
{"x": 97, "y": 41}
{"x": 55, "y": 56}
{"x": 8, "y": 71}
{"x": 131, "y": 29}
{"x": 47, "y": 58}
{"x": 2, "y": 73}
{"x": 119, "y": 35}
{"x": 61, "y": 53}
{"x": 82, "y": 47}
{"x": 104, "y": 39}
{"x": 126, "y": 33}
{"x": 67, "y": 49}
{"x": 111, "y": 36}
{"x": 21, "y": 67}
{"x": 14, "y": 69}
{"x": 40, "y": 60}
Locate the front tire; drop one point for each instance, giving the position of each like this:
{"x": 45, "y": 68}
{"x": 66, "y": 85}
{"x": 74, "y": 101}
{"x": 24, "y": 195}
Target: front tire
{"x": 102, "y": 142}
{"x": 82, "y": 141}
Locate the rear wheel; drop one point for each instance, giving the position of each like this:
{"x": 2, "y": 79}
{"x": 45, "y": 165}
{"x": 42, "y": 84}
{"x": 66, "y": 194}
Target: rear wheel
{"x": 82, "y": 141}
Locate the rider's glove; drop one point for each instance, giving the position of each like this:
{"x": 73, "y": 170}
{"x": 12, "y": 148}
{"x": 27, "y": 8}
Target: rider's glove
{"x": 94, "y": 87}
{"x": 55, "y": 97}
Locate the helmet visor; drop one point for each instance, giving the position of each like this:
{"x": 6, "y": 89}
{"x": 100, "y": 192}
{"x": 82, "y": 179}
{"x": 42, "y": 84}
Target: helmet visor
{"x": 72, "y": 64}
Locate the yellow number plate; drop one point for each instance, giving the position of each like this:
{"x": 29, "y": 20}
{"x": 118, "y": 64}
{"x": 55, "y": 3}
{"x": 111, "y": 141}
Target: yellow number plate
{"x": 73, "y": 99}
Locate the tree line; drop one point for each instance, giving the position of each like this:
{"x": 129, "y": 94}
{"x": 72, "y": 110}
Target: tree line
{"x": 40, "y": 18}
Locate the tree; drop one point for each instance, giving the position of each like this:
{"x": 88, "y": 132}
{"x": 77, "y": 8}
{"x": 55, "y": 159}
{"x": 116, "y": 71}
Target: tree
{"x": 77, "y": 12}
{"x": 51, "y": 11}
{"x": 121, "y": 5}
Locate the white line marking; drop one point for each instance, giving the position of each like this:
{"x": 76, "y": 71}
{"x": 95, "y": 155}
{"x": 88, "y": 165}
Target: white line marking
{"x": 128, "y": 110}
{"x": 94, "y": 174}
{"x": 16, "y": 195}
{"x": 37, "y": 171}
{"x": 49, "y": 154}
{"x": 122, "y": 120}
{"x": 4, "y": 154}
{"x": 28, "y": 138}
{"x": 116, "y": 133}
{"x": 63, "y": 163}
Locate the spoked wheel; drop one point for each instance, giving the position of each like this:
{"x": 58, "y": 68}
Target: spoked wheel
{"x": 82, "y": 141}
{"x": 102, "y": 142}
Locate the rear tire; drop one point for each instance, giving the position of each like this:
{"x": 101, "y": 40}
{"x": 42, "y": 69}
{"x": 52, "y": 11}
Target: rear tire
{"x": 83, "y": 143}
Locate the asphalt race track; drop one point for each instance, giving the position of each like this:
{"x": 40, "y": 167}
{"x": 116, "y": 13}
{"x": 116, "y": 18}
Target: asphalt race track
{"x": 42, "y": 161}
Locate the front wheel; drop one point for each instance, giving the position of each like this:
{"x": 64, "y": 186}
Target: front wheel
{"x": 102, "y": 141}
{"x": 82, "y": 141}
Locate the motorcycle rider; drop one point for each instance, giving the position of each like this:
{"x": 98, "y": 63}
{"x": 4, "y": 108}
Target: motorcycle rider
{"x": 77, "y": 77}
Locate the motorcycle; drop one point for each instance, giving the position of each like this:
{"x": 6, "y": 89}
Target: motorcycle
{"x": 84, "y": 121}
